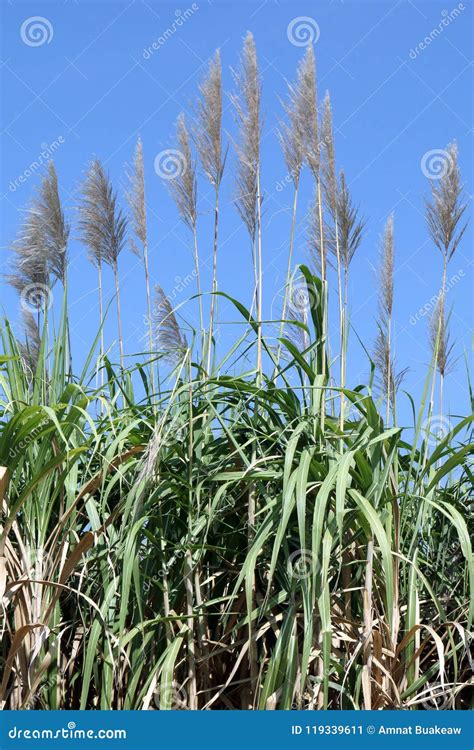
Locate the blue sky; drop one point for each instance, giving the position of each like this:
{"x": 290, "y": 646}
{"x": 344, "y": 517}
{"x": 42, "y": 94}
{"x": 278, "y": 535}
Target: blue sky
{"x": 92, "y": 88}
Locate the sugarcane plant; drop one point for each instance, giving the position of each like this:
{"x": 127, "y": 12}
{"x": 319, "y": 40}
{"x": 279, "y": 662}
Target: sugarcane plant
{"x": 229, "y": 535}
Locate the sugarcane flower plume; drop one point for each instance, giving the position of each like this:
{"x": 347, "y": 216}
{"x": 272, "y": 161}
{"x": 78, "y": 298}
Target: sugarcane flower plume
{"x": 446, "y": 208}
{"x": 183, "y": 186}
{"x": 102, "y": 223}
{"x": 167, "y": 334}
{"x": 208, "y": 131}
{"x": 135, "y": 194}
{"x": 247, "y": 110}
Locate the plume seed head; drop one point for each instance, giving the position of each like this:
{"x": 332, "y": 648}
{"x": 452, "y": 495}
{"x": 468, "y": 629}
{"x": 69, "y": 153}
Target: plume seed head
{"x": 329, "y": 160}
{"x": 208, "y": 135}
{"x": 247, "y": 103}
{"x": 167, "y": 334}
{"x": 350, "y": 226}
{"x": 386, "y": 269}
{"x": 135, "y": 195}
{"x": 29, "y": 264}
{"x": 445, "y": 210}
{"x": 319, "y": 234}
{"x": 299, "y": 135}
{"x": 307, "y": 87}
{"x": 40, "y": 248}
{"x": 102, "y": 224}
{"x": 55, "y": 228}
{"x": 183, "y": 187}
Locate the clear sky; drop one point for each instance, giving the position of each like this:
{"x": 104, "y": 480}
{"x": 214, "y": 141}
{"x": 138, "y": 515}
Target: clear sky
{"x": 401, "y": 80}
